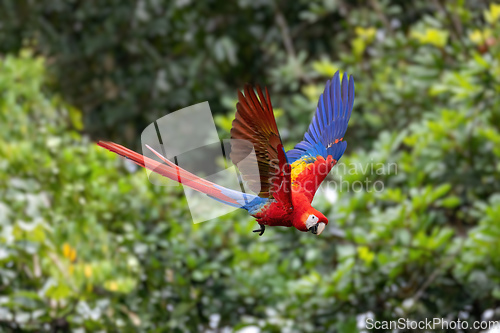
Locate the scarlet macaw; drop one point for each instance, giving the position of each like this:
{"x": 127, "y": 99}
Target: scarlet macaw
{"x": 287, "y": 182}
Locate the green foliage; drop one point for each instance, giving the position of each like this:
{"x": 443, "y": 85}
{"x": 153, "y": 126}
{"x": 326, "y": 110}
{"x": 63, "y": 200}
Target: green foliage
{"x": 127, "y": 64}
{"x": 87, "y": 242}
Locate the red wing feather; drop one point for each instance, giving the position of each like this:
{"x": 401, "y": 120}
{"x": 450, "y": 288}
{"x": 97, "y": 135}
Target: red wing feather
{"x": 254, "y": 123}
{"x": 282, "y": 183}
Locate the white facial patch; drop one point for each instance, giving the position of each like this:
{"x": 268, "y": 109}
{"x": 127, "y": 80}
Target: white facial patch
{"x": 311, "y": 221}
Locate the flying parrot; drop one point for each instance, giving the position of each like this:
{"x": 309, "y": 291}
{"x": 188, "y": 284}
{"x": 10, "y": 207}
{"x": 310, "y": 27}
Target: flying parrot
{"x": 287, "y": 181}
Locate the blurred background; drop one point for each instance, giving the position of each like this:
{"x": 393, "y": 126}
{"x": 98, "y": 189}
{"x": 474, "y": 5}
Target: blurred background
{"x": 88, "y": 244}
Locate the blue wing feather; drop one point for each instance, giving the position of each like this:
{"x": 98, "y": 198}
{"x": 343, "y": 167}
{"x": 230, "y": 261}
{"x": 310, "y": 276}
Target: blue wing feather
{"x": 327, "y": 96}
{"x": 329, "y": 123}
{"x": 338, "y": 98}
{"x": 344, "y": 96}
{"x": 308, "y": 138}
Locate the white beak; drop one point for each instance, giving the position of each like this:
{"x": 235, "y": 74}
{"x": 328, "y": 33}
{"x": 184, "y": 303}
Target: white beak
{"x": 321, "y": 227}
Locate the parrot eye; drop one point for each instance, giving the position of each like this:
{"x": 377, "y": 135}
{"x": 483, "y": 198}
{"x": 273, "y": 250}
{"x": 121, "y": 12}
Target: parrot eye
{"x": 313, "y": 224}
{"x": 311, "y": 221}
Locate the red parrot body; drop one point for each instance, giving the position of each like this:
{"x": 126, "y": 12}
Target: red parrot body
{"x": 286, "y": 182}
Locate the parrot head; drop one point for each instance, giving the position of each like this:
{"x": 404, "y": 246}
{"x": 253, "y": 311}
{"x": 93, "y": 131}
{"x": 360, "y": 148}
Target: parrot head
{"x": 310, "y": 220}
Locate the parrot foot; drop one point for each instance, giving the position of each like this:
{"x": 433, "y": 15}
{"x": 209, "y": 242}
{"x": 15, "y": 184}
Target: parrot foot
{"x": 261, "y": 230}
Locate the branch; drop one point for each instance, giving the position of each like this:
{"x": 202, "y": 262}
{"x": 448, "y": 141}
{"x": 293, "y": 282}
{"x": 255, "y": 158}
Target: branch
{"x": 285, "y": 33}
{"x": 376, "y": 7}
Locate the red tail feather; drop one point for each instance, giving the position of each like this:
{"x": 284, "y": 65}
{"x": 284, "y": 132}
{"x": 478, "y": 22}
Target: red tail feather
{"x": 171, "y": 171}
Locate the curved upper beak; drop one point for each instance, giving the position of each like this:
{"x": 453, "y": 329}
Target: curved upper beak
{"x": 318, "y": 228}
{"x": 321, "y": 227}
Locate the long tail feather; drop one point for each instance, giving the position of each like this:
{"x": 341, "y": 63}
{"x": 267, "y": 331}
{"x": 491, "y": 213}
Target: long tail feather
{"x": 172, "y": 171}
{"x": 183, "y": 176}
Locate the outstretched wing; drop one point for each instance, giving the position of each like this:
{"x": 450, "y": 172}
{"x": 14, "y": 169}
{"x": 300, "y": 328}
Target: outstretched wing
{"x": 254, "y": 123}
{"x": 323, "y": 145}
